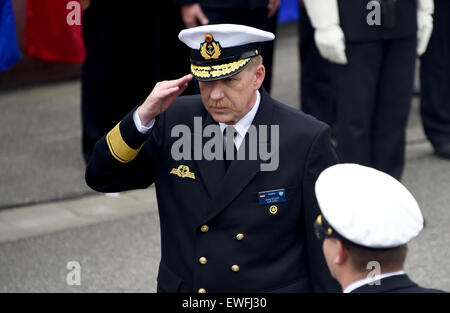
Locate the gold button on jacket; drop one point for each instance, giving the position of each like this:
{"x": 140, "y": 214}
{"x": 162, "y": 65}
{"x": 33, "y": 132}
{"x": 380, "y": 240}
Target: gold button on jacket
{"x": 273, "y": 209}
{"x": 203, "y": 260}
{"x": 204, "y": 228}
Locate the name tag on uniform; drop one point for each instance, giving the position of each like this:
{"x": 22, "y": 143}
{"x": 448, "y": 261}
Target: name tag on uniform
{"x": 272, "y": 196}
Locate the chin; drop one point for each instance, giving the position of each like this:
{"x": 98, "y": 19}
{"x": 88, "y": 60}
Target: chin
{"x": 219, "y": 118}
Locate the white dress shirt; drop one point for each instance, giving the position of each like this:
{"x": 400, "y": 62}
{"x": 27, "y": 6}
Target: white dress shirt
{"x": 368, "y": 280}
{"x": 241, "y": 127}
{"x": 143, "y": 129}
{"x": 244, "y": 123}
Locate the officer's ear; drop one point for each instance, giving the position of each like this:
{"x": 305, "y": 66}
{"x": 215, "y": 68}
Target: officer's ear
{"x": 342, "y": 255}
{"x": 259, "y": 74}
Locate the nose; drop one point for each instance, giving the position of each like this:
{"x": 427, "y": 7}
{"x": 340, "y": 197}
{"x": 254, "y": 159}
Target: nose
{"x": 216, "y": 91}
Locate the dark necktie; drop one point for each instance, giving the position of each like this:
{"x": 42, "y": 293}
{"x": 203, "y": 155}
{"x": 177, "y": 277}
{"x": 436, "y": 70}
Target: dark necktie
{"x": 229, "y": 137}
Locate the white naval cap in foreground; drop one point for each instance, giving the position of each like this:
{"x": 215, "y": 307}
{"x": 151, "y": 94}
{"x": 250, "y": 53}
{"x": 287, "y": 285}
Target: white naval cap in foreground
{"x": 368, "y": 207}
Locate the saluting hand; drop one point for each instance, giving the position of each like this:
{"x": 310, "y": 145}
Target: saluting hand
{"x": 162, "y": 96}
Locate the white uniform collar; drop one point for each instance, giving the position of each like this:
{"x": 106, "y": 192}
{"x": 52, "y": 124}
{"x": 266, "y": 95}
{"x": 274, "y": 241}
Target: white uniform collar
{"x": 368, "y": 280}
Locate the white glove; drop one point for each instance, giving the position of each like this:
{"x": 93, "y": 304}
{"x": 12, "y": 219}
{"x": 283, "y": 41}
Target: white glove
{"x": 331, "y": 44}
{"x": 329, "y": 37}
{"x": 425, "y": 12}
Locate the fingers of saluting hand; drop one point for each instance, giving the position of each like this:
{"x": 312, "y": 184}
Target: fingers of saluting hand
{"x": 162, "y": 96}
{"x": 163, "y": 93}
{"x": 178, "y": 82}
{"x": 173, "y": 87}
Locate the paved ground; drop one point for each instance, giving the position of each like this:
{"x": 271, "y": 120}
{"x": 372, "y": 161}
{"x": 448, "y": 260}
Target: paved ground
{"x": 116, "y": 239}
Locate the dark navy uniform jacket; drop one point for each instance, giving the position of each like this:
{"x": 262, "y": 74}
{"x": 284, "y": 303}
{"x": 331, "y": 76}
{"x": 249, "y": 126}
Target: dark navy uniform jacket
{"x": 353, "y": 20}
{"x": 395, "y": 284}
{"x": 202, "y": 213}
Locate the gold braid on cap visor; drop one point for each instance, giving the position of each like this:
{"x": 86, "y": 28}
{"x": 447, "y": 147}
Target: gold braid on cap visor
{"x": 218, "y": 70}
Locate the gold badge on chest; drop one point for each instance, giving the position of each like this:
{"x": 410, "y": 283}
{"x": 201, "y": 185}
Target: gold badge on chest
{"x": 183, "y": 172}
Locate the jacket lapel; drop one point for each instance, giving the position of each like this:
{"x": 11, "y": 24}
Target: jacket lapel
{"x": 240, "y": 172}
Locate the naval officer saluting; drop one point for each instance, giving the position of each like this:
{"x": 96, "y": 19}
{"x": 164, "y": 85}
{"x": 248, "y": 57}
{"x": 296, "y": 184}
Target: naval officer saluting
{"x": 226, "y": 226}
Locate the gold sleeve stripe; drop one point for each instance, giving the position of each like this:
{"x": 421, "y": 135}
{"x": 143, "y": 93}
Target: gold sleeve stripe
{"x": 119, "y": 148}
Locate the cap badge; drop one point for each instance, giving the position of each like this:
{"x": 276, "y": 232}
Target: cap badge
{"x": 210, "y": 49}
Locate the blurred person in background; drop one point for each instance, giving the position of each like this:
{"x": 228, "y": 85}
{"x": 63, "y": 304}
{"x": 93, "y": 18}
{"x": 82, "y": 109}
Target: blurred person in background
{"x": 374, "y": 45}
{"x": 129, "y": 47}
{"x": 435, "y": 82}
{"x": 317, "y": 95}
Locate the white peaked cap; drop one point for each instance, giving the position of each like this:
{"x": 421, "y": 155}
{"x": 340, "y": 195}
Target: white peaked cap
{"x": 222, "y": 50}
{"x": 368, "y": 207}
{"x": 229, "y": 35}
